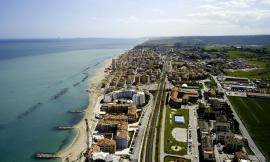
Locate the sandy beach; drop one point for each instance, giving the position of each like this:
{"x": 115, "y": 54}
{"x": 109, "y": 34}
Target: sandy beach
{"x": 73, "y": 152}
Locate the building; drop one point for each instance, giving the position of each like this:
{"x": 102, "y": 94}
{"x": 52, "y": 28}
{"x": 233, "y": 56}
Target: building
{"x": 122, "y": 139}
{"x": 138, "y": 97}
{"x": 107, "y": 145}
{"x": 222, "y": 137}
{"x": 118, "y": 125}
{"x": 111, "y": 124}
{"x": 181, "y": 97}
{"x": 189, "y": 95}
{"x": 174, "y": 101}
{"x": 241, "y": 156}
{"x": 179, "y": 119}
{"x": 129, "y": 109}
{"x": 222, "y": 126}
{"x": 123, "y": 94}
{"x": 233, "y": 144}
{"x": 258, "y": 95}
{"x": 208, "y": 148}
{"x": 114, "y": 64}
{"x": 145, "y": 79}
{"x": 107, "y": 98}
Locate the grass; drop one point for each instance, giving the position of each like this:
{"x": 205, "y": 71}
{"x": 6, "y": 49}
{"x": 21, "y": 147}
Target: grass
{"x": 172, "y": 158}
{"x": 261, "y": 64}
{"x": 169, "y": 126}
{"x": 256, "y": 73}
{"x": 254, "y": 113}
{"x": 259, "y": 60}
{"x": 241, "y": 54}
{"x": 212, "y": 85}
{"x": 178, "y": 62}
{"x": 130, "y": 134}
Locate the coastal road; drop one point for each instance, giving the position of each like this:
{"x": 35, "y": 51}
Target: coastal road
{"x": 242, "y": 128}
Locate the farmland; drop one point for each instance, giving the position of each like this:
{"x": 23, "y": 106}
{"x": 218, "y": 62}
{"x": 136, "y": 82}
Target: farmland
{"x": 254, "y": 113}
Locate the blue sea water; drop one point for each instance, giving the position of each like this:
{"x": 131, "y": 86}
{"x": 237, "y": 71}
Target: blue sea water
{"x": 31, "y": 73}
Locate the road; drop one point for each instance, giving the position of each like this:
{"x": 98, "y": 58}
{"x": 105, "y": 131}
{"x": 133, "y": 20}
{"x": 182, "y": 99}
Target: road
{"x": 138, "y": 142}
{"x": 242, "y": 128}
{"x": 193, "y": 129}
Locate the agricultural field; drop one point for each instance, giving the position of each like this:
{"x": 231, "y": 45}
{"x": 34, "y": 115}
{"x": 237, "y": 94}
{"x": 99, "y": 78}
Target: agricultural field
{"x": 241, "y": 54}
{"x": 254, "y": 73}
{"x": 252, "y": 58}
{"x": 169, "y": 126}
{"x": 254, "y": 113}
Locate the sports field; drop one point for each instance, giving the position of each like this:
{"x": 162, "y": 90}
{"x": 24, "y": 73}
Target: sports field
{"x": 255, "y": 114}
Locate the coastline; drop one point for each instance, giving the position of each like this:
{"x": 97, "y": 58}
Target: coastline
{"x": 74, "y": 150}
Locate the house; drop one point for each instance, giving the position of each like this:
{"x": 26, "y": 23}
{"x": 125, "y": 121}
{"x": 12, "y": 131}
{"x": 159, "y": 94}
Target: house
{"x": 107, "y": 145}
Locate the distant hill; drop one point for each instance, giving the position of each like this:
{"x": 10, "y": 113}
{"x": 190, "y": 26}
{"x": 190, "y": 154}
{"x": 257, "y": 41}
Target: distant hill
{"x": 205, "y": 40}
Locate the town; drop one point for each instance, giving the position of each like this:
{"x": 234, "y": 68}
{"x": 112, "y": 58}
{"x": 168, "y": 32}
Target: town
{"x": 170, "y": 103}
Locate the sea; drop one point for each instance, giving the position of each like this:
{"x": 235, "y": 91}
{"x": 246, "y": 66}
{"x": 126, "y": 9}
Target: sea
{"x": 40, "y": 81}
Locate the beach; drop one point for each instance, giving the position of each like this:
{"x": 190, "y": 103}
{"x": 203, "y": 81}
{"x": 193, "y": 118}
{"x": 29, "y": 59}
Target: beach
{"x": 73, "y": 152}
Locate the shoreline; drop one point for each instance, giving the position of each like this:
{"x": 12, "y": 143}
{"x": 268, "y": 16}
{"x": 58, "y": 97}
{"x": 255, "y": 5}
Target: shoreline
{"x": 75, "y": 148}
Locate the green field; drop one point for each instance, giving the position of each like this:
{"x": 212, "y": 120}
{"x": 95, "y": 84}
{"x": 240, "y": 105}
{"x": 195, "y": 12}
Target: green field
{"x": 254, "y": 113}
{"x": 169, "y": 125}
{"x": 256, "y": 73}
{"x": 172, "y": 158}
{"x": 259, "y": 60}
{"x": 241, "y": 54}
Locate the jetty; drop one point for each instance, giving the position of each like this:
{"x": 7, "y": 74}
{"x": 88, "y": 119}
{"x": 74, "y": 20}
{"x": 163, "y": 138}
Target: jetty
{"x": 64, "y": 127}
{"x": 76, "y": 111}
{"x": 41, "y": 155}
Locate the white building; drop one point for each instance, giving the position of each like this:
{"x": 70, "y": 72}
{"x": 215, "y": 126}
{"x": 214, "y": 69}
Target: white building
{"x": 139, "y": 98}
{"x": 114, "y": 61}
{"x": 107, "y": 98}
{"x": 123, "y": 94}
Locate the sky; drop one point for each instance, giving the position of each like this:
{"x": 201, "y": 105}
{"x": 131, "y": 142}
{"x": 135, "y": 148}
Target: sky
{"x": 132, "y": 18}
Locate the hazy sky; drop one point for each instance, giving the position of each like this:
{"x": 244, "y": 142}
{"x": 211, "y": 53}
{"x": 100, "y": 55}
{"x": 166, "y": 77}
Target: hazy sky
{"x": 132, "y": 18}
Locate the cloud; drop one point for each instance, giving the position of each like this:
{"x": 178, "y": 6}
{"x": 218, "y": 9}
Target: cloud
{"x": 128, "y": 20}
{"x": 254, "y": 18}
{"x": 209, "y": 7}
{"x": 267, "y": 2}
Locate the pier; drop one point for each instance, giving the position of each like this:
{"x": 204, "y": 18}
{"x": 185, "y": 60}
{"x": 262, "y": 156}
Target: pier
{"x": 64, "y": 127}
{"x": 41, "y": 155}
{"x": 76, "y": 111}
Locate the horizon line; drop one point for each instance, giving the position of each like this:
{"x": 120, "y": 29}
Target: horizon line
{"x": 142, "y": 37}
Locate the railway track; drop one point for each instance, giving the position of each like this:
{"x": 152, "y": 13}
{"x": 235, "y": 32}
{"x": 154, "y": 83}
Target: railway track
{"x": 149, "y": 151}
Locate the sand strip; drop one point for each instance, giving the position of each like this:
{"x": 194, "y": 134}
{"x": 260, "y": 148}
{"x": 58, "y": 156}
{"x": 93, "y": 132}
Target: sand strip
{"x": 74, "y": 150}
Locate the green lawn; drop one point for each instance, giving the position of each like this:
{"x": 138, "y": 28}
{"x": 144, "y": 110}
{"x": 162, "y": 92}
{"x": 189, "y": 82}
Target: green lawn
{"x": 256, "y": 73}
{"x": 172, "y": 158}
{"x": 169, "y": 125}
{"x": 241, "y": 54}
{"x": 254, "y": 113}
